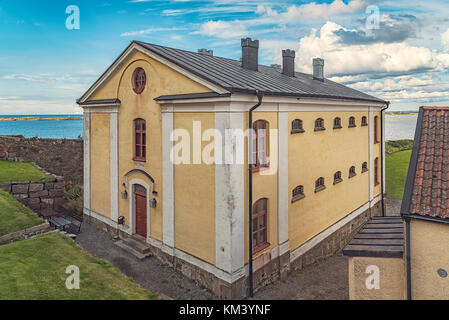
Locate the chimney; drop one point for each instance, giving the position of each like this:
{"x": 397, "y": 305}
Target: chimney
{"x": 206, "y": 52}
{"x": 250, "y": 54}
{"x": 288, "y": 62}
{"x": 318, "y": 69}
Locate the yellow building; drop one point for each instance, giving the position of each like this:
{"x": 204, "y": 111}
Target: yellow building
{"x": 167, "y": 153}
{"x": 408, "y": 258}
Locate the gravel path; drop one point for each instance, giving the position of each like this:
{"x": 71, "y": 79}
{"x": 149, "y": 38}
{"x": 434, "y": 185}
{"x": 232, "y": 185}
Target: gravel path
{"x": 326, "y": 280}
{"x": 150, "y": 273}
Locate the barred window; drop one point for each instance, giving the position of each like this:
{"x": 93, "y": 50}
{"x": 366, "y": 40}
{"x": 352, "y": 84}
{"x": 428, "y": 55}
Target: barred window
{"x": 337, "y": 177}
{"x": 297, "y": 126}
{"x": 319, "y": 124}
{"x": 352, "y": 122}
{"x": 364, "y": 167}
{"x": 319, "y": 185}
{"x": 352, "y": 172}
{"x": 298, "y": 194}
{"x": 364, "y": 122}
{"x": 337, "y": 123}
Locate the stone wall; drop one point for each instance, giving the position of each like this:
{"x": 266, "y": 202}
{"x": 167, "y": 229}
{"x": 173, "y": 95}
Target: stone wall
{"x": 38, "y": 195}
{"x": 63, "y": 157}
{"x": 25, "y": 234}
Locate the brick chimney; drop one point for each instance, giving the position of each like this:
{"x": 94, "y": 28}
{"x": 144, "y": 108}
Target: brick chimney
{"x": 318, "y": 69}
{"x": 206, "y": 52}
{"x": 250, "y": 54}
{"x": 288, "y": 62}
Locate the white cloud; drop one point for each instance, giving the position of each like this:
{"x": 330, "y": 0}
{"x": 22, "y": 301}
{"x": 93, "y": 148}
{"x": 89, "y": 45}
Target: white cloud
{"x": 445, "y": 40}
{"x": 314, "y": 11}
{"x": 150, "y": 30}
{"x": 375, "y": 58}
{"x": 223, "y": 29}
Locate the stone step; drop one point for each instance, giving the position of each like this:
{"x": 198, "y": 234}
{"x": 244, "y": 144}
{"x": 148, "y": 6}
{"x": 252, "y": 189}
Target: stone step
{"x": 124, "y": 245}
{"x": 139, "y": 246}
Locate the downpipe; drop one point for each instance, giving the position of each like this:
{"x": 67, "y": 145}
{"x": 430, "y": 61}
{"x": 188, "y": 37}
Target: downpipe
{"x": 382, "y": 153}
{"x": 250, "y": 190}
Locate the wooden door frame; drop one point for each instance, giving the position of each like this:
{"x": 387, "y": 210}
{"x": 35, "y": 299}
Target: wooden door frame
{"x": 132, "y": 205}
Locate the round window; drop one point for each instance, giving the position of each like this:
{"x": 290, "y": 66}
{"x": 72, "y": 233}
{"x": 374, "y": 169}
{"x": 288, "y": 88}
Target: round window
{"x": 139, "y": 80}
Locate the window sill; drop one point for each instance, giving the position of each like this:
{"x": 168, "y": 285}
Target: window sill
{"x": 261, "y": 247}
{"x": 364, "y": 170}
{"x": 352, "y": 175}
{"x": 297, "y": 131}
{"x": 352, "y": 126}
{"x": 320, "y": 129}
{"x": 139, "y": 160}
{"x": 340, "y": 127}
{"x": 259, "y": 169}
{"x": 297, "y": 198}
{"x": 337, "y": 181}
{"x": 364, "y": 124}
{"x": 319, "y": 189}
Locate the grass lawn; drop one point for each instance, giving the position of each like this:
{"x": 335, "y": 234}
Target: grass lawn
{"x": 20, "y": 171}
{"x": 34, "y": 269}
{"x": 14, "y": 216}
{"x": 396, "y": 173}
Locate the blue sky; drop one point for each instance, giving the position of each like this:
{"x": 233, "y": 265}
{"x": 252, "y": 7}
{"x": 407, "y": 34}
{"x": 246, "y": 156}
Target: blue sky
{"x": 44, "y": 67}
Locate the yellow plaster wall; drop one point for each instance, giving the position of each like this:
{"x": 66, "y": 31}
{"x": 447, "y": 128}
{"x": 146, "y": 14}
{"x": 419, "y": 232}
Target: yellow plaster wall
{"x": 161, "y": 80}
{"x": 320, "y": 154}
{"x": 264, "y": 186}
{"x": 429, "y": 253}
{"x": 100, "y": 164}
{"x": 392, "y": 279}
{"x": 195, "y": 196}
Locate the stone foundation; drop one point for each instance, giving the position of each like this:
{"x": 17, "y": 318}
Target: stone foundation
{"x": 267, "y": 269}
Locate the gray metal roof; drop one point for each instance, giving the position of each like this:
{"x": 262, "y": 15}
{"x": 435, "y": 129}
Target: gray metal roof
{"x": 230, "y": 75}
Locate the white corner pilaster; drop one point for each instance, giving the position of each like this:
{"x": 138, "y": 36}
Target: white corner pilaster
{"x": 229, "y": 194}
{"x": 113, "y": 126}
{"x": 383, "y": 153}
{"x": 86, "y": 177}
{"x": 283, "y": 192}
{"x": 371, "y": 154}
{"x": 168, "y": 185}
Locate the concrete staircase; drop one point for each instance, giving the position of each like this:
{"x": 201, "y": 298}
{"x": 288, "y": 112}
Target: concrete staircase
{"x": 136, "y": 246}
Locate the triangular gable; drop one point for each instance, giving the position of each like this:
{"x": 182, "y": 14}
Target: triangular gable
{"x": 133, "y": 47}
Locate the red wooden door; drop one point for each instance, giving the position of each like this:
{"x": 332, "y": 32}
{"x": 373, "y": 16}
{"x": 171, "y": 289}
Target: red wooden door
{"x": 140, "y": 196}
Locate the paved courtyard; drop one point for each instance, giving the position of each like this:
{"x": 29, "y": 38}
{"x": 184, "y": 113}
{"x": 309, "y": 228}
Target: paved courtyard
{"x": 326, "y": 280}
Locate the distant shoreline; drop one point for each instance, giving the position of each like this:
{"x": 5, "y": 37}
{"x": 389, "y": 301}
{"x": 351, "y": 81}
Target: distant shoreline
{"x": 31, "y": 118}
{"x": 401, "y": 113}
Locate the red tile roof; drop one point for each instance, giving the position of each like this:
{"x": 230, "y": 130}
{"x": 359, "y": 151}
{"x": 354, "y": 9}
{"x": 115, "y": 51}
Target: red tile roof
{"x": 427, "y": 189}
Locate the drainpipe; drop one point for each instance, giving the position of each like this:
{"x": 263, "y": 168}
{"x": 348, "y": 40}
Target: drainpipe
{"x": 407, "y": 258}
{"x": 382, "y": 157}
{"x": 250, "y": 190}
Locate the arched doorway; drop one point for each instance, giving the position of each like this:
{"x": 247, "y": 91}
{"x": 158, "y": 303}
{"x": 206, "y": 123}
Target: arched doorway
{"x": 140, "y": 209}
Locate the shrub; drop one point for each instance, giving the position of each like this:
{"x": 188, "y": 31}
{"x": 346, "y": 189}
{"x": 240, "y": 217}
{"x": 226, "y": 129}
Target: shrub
{"x": 74, "y": 199}
{"x": 398, "y": 145}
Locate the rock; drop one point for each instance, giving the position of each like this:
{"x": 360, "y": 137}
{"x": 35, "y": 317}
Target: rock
{"x": 35, "y": 187}
{"x": 20, "y": 188}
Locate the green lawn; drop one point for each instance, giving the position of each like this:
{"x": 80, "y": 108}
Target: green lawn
{"x": 396, "y": 173}
{"x": 14, "y": 216}
{"x": 20, "y": 171}
{"x": 34, "y": 269}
